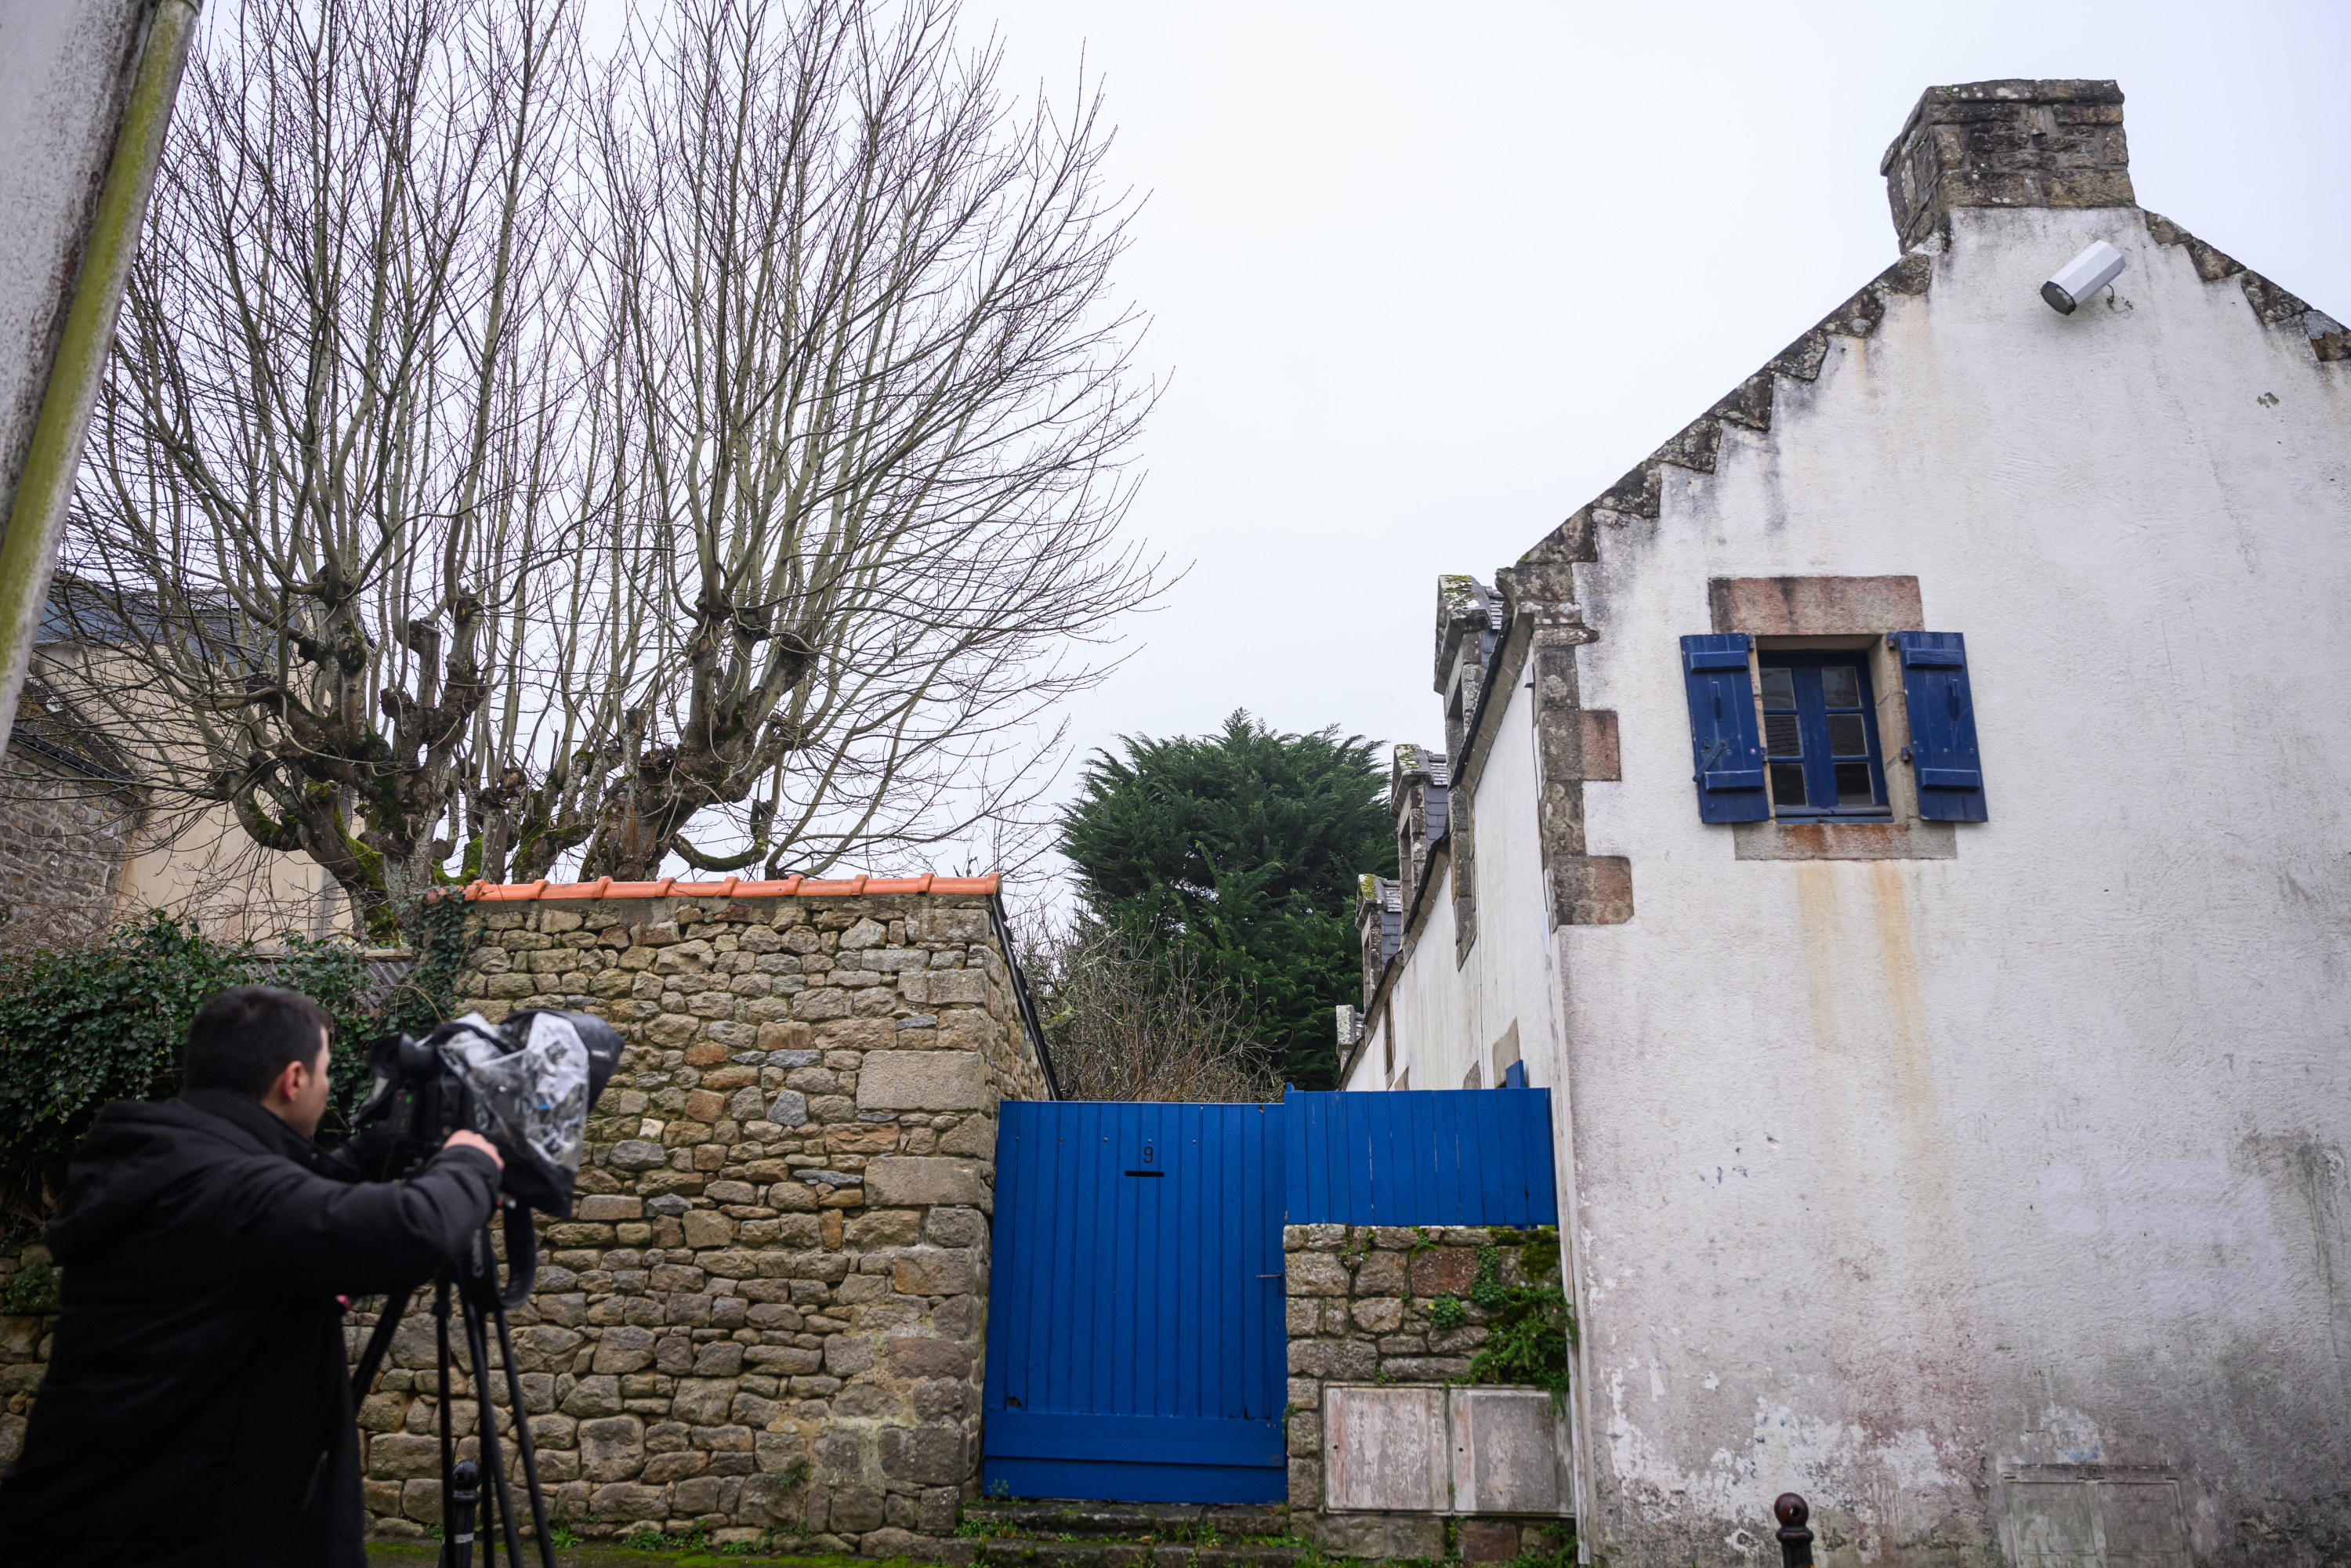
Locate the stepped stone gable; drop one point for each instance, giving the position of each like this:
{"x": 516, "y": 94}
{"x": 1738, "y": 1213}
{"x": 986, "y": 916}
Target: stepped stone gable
{"x": 769, "y": 1308}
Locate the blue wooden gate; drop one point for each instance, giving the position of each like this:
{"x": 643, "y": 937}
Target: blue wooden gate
{"x": 1136, "y": 1351}
{"x": 1421, "y": 1156}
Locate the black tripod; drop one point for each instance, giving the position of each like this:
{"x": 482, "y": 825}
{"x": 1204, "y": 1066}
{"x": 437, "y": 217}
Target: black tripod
{"x": 473, "y": 1280}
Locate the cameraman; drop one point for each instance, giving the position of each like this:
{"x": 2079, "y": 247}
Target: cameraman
{"x": 197, "y": 1409}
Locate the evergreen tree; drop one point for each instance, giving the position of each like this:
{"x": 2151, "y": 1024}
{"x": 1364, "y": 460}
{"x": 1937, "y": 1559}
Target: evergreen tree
{"x": 1244, "y": 849}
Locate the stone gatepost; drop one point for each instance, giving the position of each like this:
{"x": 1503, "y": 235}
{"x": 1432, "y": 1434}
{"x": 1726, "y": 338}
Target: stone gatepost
{"x": 769, "y": 1309}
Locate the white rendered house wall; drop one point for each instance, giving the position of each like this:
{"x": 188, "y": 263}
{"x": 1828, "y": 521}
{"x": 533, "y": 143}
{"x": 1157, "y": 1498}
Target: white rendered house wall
{"x": 1916, "y": 1185}
{"x": 1446, "y": 1014}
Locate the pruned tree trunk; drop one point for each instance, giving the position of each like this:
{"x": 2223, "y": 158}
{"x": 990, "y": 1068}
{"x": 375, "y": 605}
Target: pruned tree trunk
{"x": 336, "y": 478}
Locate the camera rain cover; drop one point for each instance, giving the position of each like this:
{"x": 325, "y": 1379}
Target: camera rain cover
{"x": 534, "y": 1098}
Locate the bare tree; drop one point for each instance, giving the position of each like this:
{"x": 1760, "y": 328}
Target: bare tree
{"x": 493, "y": 471}
{"x": 878, "y": 399}
{"x": 1123, "y": 1022}
{"x": 339, "y": 476}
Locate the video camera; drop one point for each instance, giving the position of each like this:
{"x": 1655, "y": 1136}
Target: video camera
{"x": 527, "y": 1085}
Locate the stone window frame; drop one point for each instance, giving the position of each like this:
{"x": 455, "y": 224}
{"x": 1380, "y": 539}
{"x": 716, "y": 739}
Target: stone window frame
{"x": 1835, "y": 614}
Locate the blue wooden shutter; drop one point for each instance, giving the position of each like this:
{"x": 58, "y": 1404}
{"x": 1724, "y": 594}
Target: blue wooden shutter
{"x": 1942, "y": 750}
{"x": 1725, "y": 749}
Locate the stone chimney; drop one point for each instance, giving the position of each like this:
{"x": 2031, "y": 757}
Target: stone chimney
{"x": 2007, "y": 144}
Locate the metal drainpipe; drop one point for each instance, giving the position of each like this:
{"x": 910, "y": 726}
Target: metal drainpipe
{"x": 1027, "y": 1008}
{"x": 37, "y": 517}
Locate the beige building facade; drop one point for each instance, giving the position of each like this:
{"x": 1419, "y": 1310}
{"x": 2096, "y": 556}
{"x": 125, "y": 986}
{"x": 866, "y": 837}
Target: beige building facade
{"x": 89, "y": 838}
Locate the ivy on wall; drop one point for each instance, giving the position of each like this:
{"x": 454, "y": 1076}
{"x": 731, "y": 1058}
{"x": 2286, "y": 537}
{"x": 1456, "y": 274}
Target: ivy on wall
{"x": 80, "y": 1027}
{"x": 1529, "y": 1328}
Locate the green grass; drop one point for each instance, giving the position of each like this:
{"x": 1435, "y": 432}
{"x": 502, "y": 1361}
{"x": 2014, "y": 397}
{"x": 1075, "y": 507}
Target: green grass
{"x": 415, "y": 1554}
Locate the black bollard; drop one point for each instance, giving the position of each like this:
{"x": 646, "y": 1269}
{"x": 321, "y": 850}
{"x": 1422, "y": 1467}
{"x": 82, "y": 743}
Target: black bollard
{"x": 457, "y": 1518}
{"x": 1796, "y": 1540}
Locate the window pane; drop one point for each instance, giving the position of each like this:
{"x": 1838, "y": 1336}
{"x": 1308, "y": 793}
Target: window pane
{"x": 1841, "y": 686}
{"x": 1787, "y": 783}
{"x": 1845, "y": 736}
{"x": 1779, "y": 686}
{"x": 1852, "y": 784}
{"x": 1779, "y": 735}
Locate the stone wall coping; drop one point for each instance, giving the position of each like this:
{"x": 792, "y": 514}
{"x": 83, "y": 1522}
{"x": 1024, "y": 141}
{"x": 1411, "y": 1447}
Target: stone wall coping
{"x": 732, "y": 887}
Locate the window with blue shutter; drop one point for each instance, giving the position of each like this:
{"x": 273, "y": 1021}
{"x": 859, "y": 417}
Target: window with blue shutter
{"x": 1942, "y": 751}
{"x": 1725, "y": 749}
{"x": 1820, "y": 734}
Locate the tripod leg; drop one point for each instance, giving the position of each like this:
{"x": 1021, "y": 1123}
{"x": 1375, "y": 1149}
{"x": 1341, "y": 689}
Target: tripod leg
{"x": 477, "y": 1345}
{"x": 522, "y": 1439}
{"x": 484, "y": 1519}
{"x": 379, "y": 1343}
{"x": 449, "y": 1555}
{"x": 457, "y": 1516}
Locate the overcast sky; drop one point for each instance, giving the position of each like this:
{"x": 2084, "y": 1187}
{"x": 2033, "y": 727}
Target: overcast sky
{"x": 1428, "y": 277}
{"x": 1424, "y": 279}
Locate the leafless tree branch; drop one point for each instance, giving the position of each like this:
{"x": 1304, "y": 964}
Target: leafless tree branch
{"x": 721, "y": 456}
{"x": 1124, "y": 1023}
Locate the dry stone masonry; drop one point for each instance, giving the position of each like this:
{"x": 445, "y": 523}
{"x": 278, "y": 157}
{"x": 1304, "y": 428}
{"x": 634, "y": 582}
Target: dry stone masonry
{"x": 766, "y": 1314}
{"x": 28, "y": 1320}
{"x": 1363, "y": 1313}
{"x": 767, "y": 1311}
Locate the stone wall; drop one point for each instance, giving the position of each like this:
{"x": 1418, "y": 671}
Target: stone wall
{"x": 27, "y": 1319}
{"x": 65, "y": 838}
{"x": 769, "y": 1309}
{"x": 1361, "y": 1302}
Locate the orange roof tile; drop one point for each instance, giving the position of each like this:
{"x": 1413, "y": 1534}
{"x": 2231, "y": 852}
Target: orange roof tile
{"x": 733, "y": 887}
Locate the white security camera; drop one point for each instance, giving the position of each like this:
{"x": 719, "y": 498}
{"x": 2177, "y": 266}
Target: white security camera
{"x": 2084, "y": 276}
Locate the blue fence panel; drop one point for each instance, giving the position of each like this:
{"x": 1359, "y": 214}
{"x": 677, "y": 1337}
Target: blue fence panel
{"x": 1421, "y": 1156}
{"x": 1136, "y": 1347}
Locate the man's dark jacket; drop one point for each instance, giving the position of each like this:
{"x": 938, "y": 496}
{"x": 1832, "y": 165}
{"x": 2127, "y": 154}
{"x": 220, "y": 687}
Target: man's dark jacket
{"x": 197, "y": 1407}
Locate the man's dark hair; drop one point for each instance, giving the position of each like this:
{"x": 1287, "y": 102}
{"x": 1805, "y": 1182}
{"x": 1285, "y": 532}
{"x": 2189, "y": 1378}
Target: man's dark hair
{"x": 242, "y": 1039}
